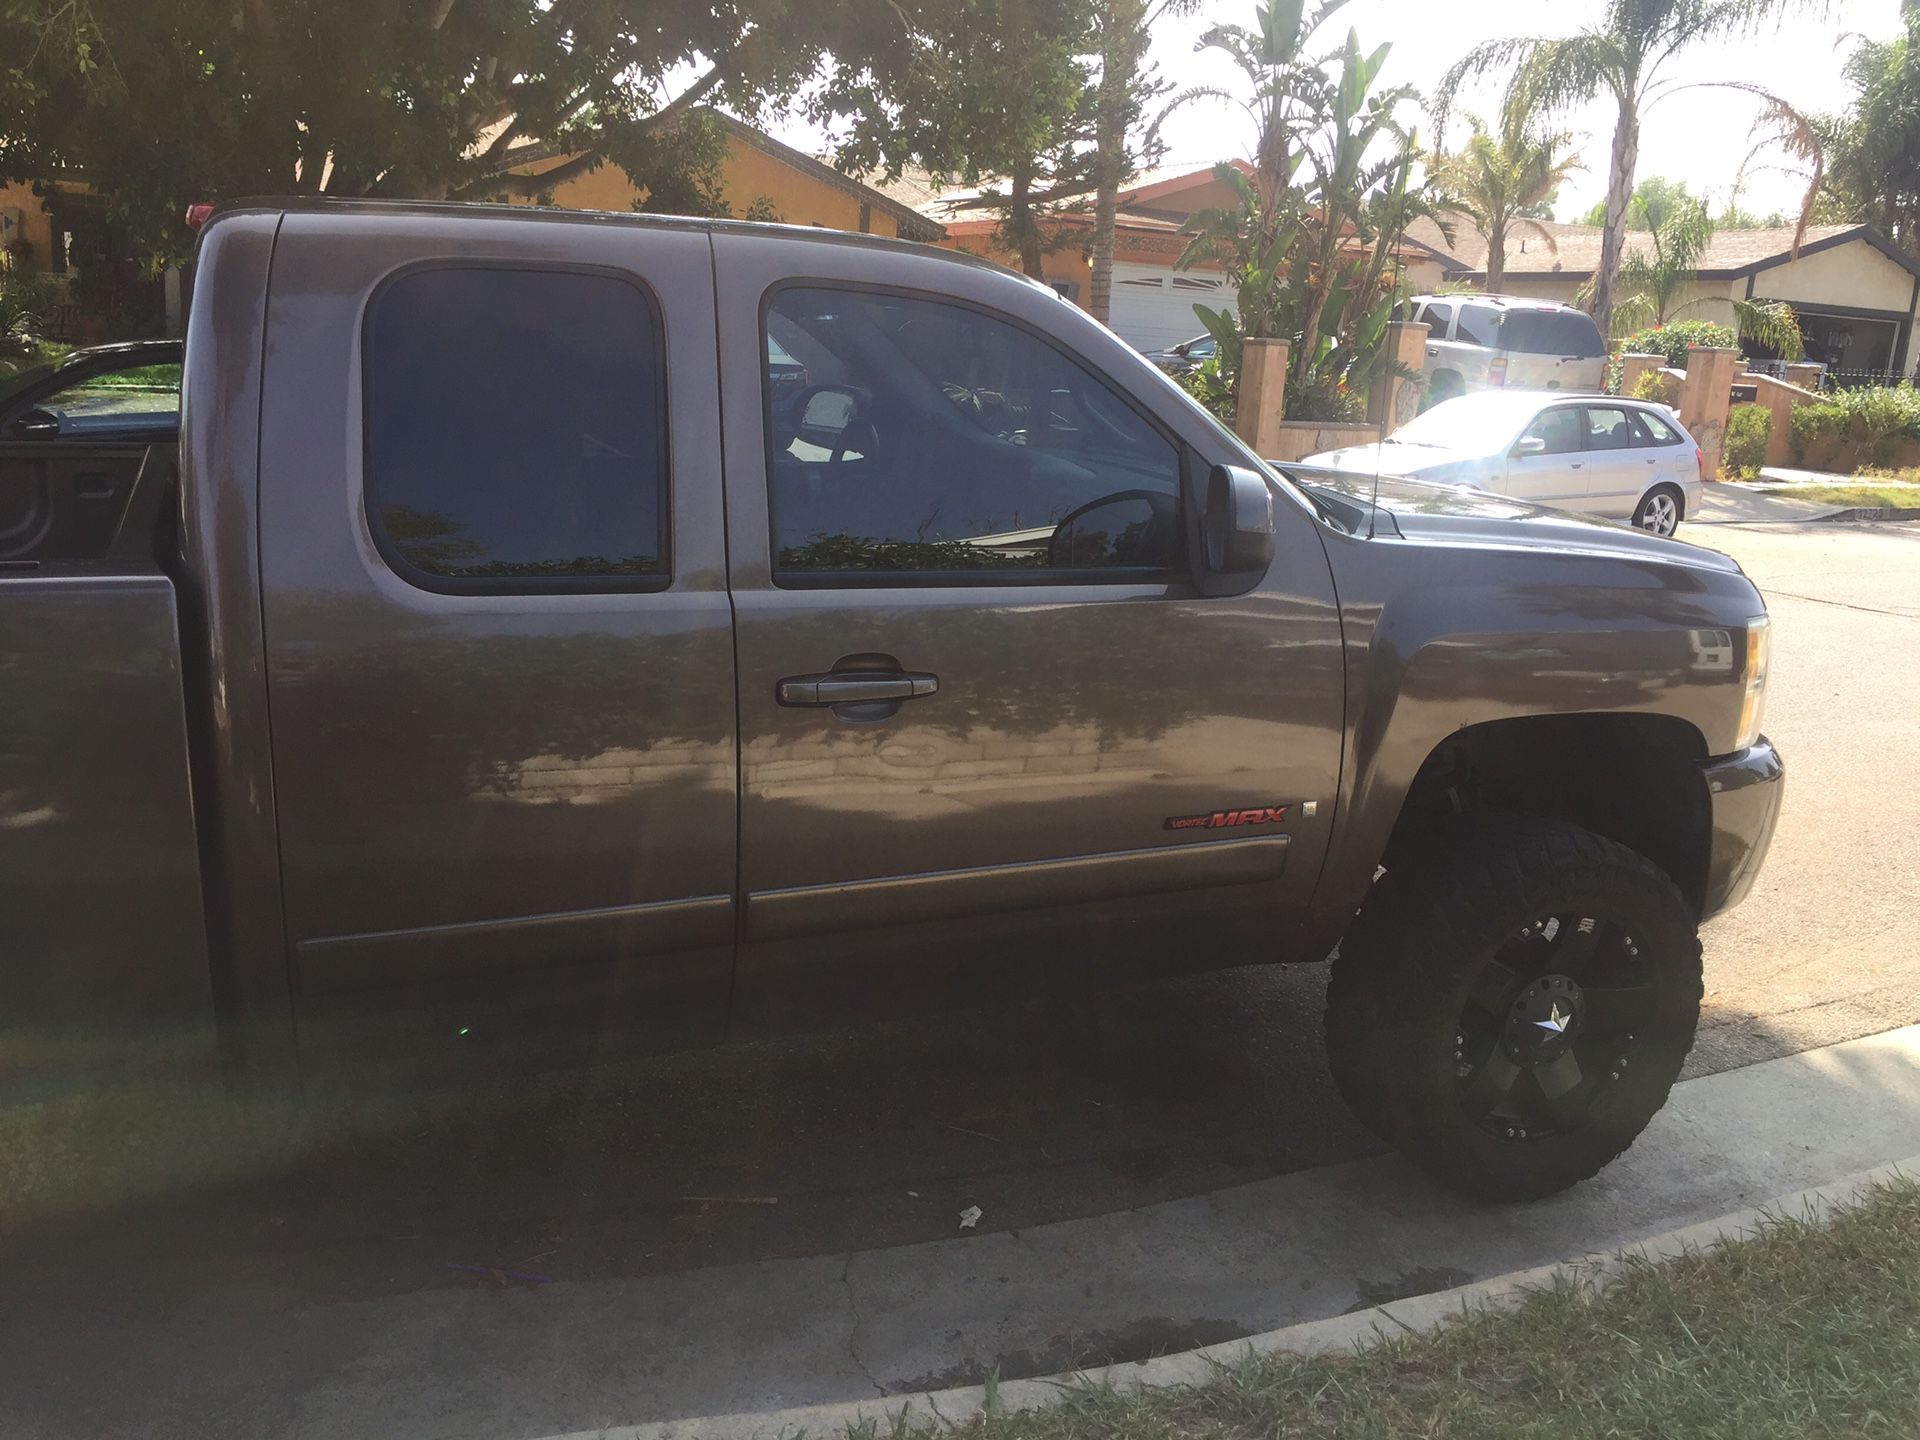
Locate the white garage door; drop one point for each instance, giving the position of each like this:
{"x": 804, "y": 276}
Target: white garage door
{"x": 1153, "y": 305}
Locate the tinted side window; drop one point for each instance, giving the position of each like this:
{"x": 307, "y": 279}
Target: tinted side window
{"x": 516, "y": 431}
{"x": 1654, "y": 430}
{"x": 1609, "y": 428}
{"x": 1559, "y": 428}
{"x": 932, "y": 438}
{"x": 1438, "y": 317}
{"x": 1479, "y": 325}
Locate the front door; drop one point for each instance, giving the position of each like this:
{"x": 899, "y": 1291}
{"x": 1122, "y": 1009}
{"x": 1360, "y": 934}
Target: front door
{"x": 499, "y": 650}
{"x": 1548, "y": 464}
{"x": 989, "y": 728}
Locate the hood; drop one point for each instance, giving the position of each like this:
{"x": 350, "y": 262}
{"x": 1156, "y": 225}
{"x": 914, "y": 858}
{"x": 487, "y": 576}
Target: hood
{"x": 1448, "y": 515}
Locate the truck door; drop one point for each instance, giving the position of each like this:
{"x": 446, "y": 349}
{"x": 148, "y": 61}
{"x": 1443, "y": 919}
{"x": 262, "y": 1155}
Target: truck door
{"x": 499, "y": 652}
{"x": 988, "y": 724}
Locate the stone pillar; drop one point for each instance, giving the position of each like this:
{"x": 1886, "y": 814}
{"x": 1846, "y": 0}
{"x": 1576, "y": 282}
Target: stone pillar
{"x": 1705, "y": 399}
{"x": 1633, "y": 366}
{"x": 1263, "y": 394}
{"x": 1392, "y": 399}
{"x": 1806, "y": 374}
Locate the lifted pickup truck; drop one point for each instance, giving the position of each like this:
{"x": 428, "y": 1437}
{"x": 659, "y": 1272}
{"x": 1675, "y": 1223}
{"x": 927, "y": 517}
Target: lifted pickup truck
{"x": 727, "y": 627}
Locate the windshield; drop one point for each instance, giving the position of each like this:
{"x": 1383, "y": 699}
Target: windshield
{"x": 1478, "y": 424}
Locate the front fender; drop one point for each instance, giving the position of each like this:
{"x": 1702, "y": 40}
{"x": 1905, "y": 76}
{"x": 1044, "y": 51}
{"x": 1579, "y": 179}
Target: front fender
{"x": 1444, "y": 636}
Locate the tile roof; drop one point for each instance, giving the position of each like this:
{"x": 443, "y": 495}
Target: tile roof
{"x": 1575, "y": 249}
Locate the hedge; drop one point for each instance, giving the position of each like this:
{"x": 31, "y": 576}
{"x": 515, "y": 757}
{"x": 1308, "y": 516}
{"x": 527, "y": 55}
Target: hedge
{"x": 1672, "y": 340}
{"x": 1852, "y": 428}
{"x": 1749, "y": 427}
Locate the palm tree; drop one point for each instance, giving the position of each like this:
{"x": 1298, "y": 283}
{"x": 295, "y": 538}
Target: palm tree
{"x": 1654, "y": 281}
{"x": 1497, "y": 181}
{"x": 1625, "y": 57}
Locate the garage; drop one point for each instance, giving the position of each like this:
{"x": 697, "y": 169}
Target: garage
{"x": 1152, "y": 305}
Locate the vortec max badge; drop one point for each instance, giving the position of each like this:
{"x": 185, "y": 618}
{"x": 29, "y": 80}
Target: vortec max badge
{"x": 1226, "y": 819}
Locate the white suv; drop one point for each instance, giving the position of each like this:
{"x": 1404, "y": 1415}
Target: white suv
{"x": 1484, "y": 342}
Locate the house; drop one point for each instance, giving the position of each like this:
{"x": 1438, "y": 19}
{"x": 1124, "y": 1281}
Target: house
{"x": 760, "y": 175}
{"x": 1857, "y": 295}
{"x": 1152, "y": 302}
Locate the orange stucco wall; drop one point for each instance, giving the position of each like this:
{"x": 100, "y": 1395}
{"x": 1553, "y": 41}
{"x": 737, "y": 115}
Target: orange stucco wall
{"x": 748, "y": 175}
{"x": 28, "y": 220}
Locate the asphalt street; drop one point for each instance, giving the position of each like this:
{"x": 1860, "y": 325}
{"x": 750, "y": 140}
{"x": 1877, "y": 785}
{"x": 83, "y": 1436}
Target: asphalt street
{"x": 1061, "y": 1108}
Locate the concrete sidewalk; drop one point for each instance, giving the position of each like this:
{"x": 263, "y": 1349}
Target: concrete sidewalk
{"x": 510, "y": 1363}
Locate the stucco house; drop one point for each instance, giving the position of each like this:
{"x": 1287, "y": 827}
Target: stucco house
{"x": 1857, "y": 295}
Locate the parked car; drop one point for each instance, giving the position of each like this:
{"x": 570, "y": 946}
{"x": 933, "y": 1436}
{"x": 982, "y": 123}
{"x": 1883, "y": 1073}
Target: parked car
{"x": 1597, "y": 454}
{"x": 502, "y": 671}
{"x": 1485, "y": 342}
{"x": 74, "y": 436}
{"x": 1187, "y": 356}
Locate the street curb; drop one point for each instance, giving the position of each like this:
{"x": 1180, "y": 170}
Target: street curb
{"x": 1873, "y": 512}
{"x": 1197, "y": 1367}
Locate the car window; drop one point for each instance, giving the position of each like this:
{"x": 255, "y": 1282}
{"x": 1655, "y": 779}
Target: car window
{"x": 1204, "y": 348}
{"x": 1566, "y": 333}
{"x": 935, "y": 438}
{"x": 1654, "y": 430}
{"x": 516, "y": 430}
{"x": 1558, "y": 427}
{"x": 1479, "y": 325}
{"x": 1438, "y": 316}
{"x": 132, "y": 397}
{"x": 1609, "y": 427}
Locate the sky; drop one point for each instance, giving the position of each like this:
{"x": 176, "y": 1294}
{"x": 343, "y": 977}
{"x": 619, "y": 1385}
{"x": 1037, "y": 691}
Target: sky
{"x": 1699, "y": 136}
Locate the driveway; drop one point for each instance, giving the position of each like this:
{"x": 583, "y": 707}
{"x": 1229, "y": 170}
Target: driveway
{"x": 1069, "y": 1107}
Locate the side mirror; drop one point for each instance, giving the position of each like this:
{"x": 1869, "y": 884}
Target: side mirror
{"x": 37, "y": 425}
{"x": 1236, "y": 530}
{"x": 1531, "y": 445}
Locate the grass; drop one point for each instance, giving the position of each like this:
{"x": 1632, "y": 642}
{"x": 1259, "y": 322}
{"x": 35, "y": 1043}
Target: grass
{"x": 1865, "y": 496}
{"x": 1807, "y": 1329}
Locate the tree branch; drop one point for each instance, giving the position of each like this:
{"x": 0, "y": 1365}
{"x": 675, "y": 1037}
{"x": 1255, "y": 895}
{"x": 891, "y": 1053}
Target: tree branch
{"x": 525, "y": 187}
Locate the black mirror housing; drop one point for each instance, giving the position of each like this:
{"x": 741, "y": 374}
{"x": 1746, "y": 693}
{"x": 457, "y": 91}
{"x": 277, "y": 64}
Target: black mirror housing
{"x": 1236, "y": 530}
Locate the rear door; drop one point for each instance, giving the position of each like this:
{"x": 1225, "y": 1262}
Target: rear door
{"x": 1618, "y": 468}
{"x": 990, "y": 732}
{"x": 1548, "y": 464}
{"x": 499, "y": 656}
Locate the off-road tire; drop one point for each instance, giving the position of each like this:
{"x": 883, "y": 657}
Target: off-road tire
{"x": 1407, "y": 969}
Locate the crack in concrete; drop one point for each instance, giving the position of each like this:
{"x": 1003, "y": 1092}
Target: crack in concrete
{"x": 853, "y": 1334}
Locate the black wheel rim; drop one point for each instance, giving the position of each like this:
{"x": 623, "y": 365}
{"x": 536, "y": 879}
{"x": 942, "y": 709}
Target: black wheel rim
{"x": 1552, "y": 1023}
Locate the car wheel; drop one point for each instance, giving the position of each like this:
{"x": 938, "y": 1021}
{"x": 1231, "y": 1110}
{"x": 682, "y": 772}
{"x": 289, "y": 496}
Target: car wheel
{"x": 1660, "y": 510}
{"x": 1514, "y": 1003}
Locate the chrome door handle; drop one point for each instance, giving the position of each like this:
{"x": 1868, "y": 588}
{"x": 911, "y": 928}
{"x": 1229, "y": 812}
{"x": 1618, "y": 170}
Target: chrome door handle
{"x": 852, "y": 689}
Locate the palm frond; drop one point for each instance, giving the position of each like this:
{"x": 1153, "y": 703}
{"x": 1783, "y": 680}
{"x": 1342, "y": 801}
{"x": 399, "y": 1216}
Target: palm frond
{"x": 1798, "y": 134}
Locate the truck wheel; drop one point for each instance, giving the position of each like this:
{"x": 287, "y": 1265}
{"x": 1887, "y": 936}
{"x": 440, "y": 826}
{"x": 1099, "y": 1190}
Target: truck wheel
{"x": 1513, "y": 1004}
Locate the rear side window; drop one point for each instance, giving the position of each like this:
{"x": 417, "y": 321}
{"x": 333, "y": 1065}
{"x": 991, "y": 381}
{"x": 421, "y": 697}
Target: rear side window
{"x": 1610, "y": 428}
{"x": 1565, "y": 333}
{"x": 1437, "y": 317}
{"x": 1479, "y": 325}
{"x": 1654, "y": 430}
{"x": 516, "y": 431}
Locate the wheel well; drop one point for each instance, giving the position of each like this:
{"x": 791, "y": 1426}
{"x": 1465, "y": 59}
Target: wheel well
{"x": 1679, "y": 497}
{"x": 1633, "y": 778}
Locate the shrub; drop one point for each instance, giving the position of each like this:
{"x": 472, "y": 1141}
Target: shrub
{"x": 1749, "y": 427}
{"x": 1852, "y": 428}
{"x": 1659, "y": 387}
{"x": 1673, "y": 338}
{"x": 1213, "y": 390}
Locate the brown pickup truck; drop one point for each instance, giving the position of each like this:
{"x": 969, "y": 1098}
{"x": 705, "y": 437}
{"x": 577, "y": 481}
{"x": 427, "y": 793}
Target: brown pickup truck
{"x": 694, "y": 629}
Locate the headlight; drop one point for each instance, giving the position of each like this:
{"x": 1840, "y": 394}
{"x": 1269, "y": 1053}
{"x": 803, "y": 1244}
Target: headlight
{"x": 1759, "y": 642}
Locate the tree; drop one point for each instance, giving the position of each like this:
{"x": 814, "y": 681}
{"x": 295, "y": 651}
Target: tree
{"x": 1126, "y": 89}
{"x": 994, "y": 93}
{"x": 163, "y": 103}
{"x": 1656, "y": 193}
{"x": 1874, "y": 149}
{"x": 1623, "y": 57}
{"x": 1495, "y": 180}
{"x": 1311, "y": 244}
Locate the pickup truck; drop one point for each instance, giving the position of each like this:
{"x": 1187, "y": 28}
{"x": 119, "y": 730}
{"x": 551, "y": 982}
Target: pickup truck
{"x": 698, "y": 629}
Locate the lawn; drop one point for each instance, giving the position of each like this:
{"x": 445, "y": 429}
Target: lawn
{"x": 1808, "y": 1329}
{"x": 1867, "y": 495}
